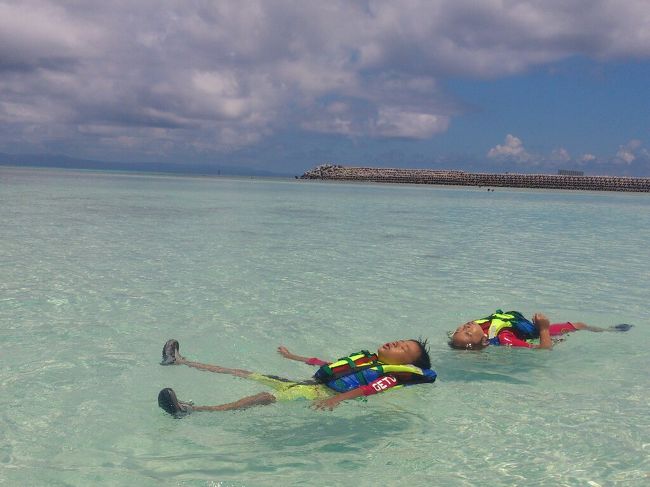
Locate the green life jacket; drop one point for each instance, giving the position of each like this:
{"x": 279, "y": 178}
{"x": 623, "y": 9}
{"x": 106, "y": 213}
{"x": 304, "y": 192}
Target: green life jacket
{"x": 362, "y": 368}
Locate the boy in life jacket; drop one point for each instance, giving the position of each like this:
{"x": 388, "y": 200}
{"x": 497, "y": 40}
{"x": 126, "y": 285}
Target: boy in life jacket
{"x": 399, "y": 363}
{"x": 512, "y": 329}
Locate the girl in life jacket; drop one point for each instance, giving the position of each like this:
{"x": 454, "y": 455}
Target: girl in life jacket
{"x": 512, "y": 329}
{"x": 395, "y": 364}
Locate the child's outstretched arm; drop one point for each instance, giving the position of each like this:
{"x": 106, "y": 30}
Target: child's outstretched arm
{"x": 331, "y": 402}
{"x": 542, "y": 323}
{"x": 375, "y": 387}
{"x": 284, "y": 351}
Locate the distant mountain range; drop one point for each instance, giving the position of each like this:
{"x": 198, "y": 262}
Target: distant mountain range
{"x": 61, "y": 161}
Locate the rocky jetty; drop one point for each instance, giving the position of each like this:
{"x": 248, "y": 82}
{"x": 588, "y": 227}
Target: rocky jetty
{"x": 462, "y": 178}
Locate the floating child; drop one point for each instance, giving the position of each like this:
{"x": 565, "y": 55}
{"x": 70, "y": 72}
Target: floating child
{"x": 399, "y": 363}
{"x": 514, "y": 330}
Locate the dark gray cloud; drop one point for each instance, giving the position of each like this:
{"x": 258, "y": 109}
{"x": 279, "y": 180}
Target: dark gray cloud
{"x": 156, "y": 79}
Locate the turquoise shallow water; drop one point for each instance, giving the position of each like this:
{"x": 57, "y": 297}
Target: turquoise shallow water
{"x": 99, "y": 269}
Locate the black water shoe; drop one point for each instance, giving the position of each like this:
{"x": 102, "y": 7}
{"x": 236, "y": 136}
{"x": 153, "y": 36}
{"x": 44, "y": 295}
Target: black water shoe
{"x": 622, "y": 327}
{"x": 170, "y": 352}
{"x": 168, "y": 401}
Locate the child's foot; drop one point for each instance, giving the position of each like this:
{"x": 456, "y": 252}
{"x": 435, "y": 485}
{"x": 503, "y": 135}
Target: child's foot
{"x": 168, "y": 401}
{"x": 621, "y": 327}
{"x": 170, "y": 352}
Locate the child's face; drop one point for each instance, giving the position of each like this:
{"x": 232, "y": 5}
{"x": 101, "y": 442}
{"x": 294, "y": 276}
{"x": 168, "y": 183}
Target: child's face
{"x": 468, "y": 335}
{"x": 401, "y": 352}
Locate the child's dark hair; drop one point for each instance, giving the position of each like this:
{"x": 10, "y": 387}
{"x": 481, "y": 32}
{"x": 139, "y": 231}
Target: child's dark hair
{"x": 423, "y": 361}
{"x": 476, "y": 346}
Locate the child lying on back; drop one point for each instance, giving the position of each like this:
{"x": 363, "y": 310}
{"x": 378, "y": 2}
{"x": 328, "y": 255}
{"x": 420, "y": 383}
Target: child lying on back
{"x": 514, "y": 330}
{"x": 398, "y": 363}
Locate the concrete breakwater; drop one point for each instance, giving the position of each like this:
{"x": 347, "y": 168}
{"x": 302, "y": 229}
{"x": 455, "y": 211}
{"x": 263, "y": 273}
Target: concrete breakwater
{"x": 462, "y": 178}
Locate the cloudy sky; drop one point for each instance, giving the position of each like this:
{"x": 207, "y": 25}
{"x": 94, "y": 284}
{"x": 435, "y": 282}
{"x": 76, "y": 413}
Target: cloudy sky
{"x": 489, "y": 85}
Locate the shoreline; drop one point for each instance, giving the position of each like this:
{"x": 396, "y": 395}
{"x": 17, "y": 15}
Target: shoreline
{"x": 461, "y": 178}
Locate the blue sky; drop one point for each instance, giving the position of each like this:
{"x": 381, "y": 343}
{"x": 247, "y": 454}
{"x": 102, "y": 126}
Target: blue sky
{"x": 489, "y": 85}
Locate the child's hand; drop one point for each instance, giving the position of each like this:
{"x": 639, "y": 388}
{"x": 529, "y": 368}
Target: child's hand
{"x": 541, "y": 321}
{"x": 282, "y": 350}
{"x": 329, "y": 403}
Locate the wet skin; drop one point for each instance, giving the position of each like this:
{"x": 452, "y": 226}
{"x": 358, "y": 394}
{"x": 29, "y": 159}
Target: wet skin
{"x": 401, "y": 352}
{"x": 467, "y": 334}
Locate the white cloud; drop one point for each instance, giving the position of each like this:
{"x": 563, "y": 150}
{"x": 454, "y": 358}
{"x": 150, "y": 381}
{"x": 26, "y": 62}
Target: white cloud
{"x": 587, "y": 158}
{"x": 337, "y": 107}
{"x": 560, "y": 155}
{"x": 628, "y": 153}
{"x": 631, "y": 158}
{"x": 393, "y": 122}
{"x": 31, "y": 33}
{"x": 223, "y": 75}
{"x": 513, "y": 149}
{"x": 331, "y": 125}
{"x": 625, "y": 156}
{"x": 338, "y": 118}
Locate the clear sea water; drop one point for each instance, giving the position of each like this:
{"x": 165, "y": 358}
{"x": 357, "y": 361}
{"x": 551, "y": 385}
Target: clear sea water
{"x": 98, "y": 269}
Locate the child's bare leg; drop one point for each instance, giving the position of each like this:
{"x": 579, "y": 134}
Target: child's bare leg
{"x": 213, "y": 368}
{"x": 619, "y": 327}
{"x": 261, "y": 399}
{"x": 168, "y": 401}
{"x": 584, "y": 326}
{"x": 171, "y": 356}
